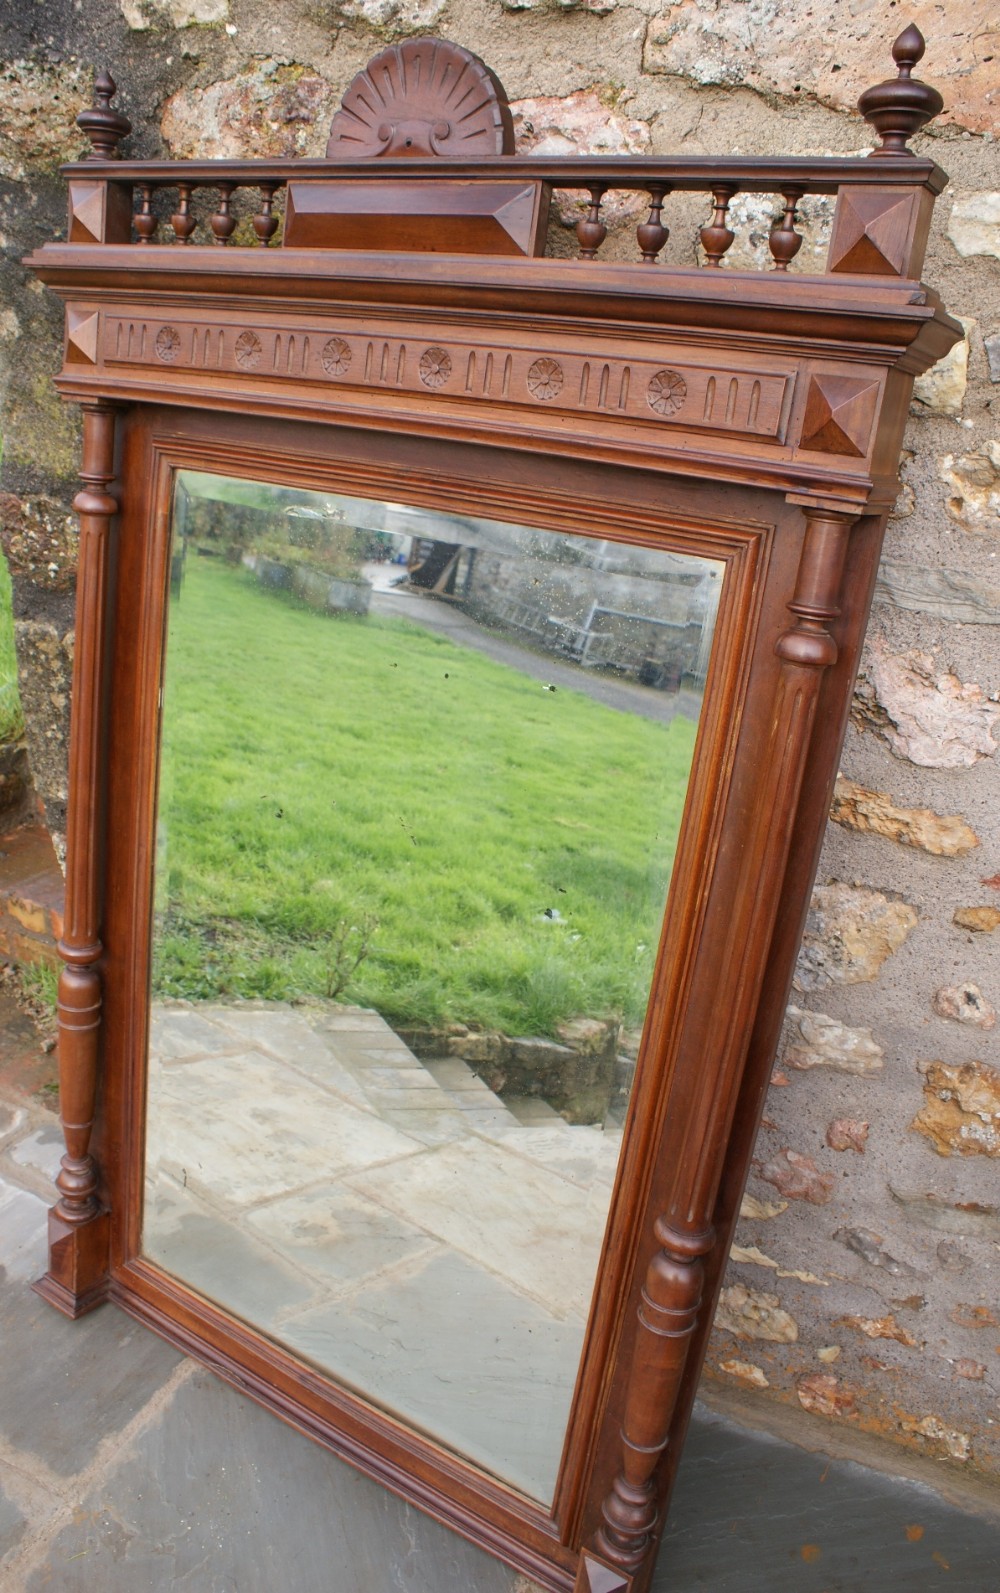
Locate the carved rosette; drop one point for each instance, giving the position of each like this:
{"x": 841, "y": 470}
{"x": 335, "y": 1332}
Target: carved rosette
{"x": 666, "y": 392}
{"x": 248, "y": 350}
{"x": 435, "y": 367}
{"x": 167, "y": 344}
{"x": 336, "y": 357}
{"x": 545, "y": 379}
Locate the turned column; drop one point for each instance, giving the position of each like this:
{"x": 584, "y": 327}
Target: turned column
{"x": 78, "y": 1225}
{"x": 671, "y": 1297}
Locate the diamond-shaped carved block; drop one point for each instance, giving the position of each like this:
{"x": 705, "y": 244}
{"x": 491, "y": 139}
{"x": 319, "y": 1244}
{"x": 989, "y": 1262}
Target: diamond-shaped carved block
{"x": 839, "y": 415}
{"x": 595, "y": 1577}
{"x": 87, "y": 202}
{"x": 99, "y": 212}
{"x": 873, "y": 234}
{"x": 81, "y": 336}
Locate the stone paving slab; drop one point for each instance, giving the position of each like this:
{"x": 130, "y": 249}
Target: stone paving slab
{"x": 528, "y": 1225}
{"x": 248, "y": 1128}
{"x": 455, "y": 1351}
{"x": 12, "y": 1119}
{"x": 66, "y": 1385}
{"x": 335, "y": 1234}
{"x": 41, "y": 1152}
{"x": 214, "y": 1495}
{"x": 217, "y": 1496}
{"x": 754, "y": 1514}
{"x": 218, "y": 1259}
{"x": 12, "y": 1523}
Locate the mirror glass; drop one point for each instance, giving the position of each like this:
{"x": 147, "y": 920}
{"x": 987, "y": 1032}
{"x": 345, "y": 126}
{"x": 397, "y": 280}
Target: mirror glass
{"x": 420, "y": 788}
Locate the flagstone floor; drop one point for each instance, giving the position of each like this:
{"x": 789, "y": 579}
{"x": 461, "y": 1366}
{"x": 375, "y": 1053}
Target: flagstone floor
{"x": 127, "y": 1468}
{"x": 391, "y": 1220}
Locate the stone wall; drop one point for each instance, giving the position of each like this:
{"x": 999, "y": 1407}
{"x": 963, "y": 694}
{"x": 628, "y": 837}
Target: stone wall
{"x": 865, "y": 1284}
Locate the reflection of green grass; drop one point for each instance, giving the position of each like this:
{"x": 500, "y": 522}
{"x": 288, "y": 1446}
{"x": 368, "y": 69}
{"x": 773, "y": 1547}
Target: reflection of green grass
{"x": 320, "y": 773}
{"x": 11, "y": 719}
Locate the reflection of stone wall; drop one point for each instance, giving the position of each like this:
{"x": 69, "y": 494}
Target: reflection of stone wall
{"x": 888, "y": 1280}
{"x": 314, "y": 587}
{"x": 575, "y": 1074}
{"x": 647, "y": 627}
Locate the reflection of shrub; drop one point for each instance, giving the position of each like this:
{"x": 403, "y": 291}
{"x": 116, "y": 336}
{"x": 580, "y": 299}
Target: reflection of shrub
{"x": 324, "y": 544}
{"x": 347, "y": 949}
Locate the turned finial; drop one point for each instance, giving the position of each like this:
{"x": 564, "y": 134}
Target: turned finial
{"x": 900, "y": 106}
{"x": 103, "y": 126}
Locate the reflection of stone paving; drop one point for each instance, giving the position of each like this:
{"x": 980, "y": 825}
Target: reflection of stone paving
{"x": 392, "y": 1220}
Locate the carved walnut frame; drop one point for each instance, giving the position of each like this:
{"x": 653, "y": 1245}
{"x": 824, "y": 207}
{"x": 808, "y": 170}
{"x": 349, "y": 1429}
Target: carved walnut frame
{"x": 747, "y": 417}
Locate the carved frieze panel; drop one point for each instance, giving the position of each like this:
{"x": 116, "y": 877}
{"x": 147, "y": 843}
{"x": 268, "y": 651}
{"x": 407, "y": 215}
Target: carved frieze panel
{"x": 751, "y": 402}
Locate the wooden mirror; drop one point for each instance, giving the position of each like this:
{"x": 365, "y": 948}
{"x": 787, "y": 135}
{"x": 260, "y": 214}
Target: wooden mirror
{"x": 465, "y": 642}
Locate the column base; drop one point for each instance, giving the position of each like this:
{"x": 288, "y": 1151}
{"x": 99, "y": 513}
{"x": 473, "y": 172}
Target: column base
{"x": 594, "y": 1576}
{"x": 77, "y": 1279}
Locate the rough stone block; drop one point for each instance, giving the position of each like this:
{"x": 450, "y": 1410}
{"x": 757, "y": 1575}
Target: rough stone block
{"x": 270, "y": 111}
{"x": 965, "y": 1004}
{"x": 974, "y": 224}
{"x": 875, "y": 813}
{"x": 850, "y": 932}
{"x": 824, "y": 1395}
{"x": 941, "y": 390}
{"x": 775, "y": 50}
{"x": 751, "y": 1314}
{"x": 798, "y": 1178}
{"x": 981, "y": 920}
{"x": 961, "y": 1112}
{"x": 939, "y": 594}
{"x": 925, "y": 714}
{"x": 974, "y": 482}
{"x": 34, "y": 135}
{"x": 143, "y": 14}
{"x": 581, "y": 124}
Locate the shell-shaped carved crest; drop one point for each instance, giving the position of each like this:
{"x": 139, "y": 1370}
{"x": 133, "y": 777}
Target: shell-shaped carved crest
{"x": 423, "y": 97}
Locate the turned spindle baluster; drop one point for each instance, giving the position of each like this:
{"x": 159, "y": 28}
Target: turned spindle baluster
{"x": 222, "y": 223}
{"x": 145, "y": 222}
{"x": 651, "y": 234}
{"x": 591, "y": 231}
{"x": 182, "y": 220}
{"x": 783, "y": 241}
{"x": 900, "y": 106}
{"x": 265, "y": 225}
{"x": 717, "y": 237}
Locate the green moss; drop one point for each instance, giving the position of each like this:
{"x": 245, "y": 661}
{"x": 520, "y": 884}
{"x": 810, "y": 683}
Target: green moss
{"x": 11, "y": 717}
